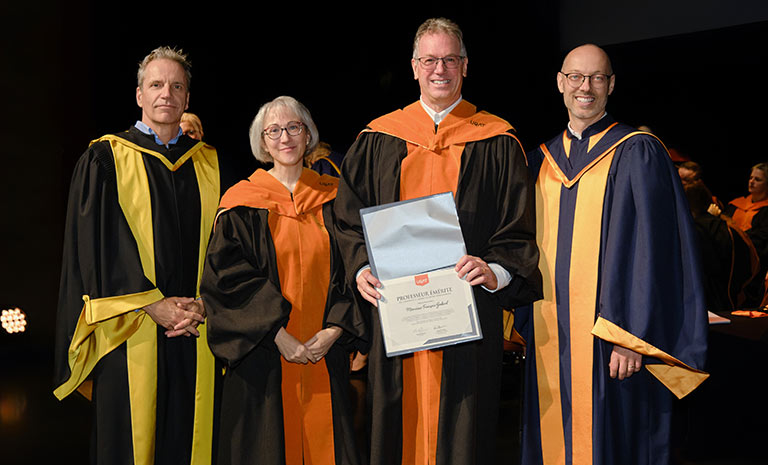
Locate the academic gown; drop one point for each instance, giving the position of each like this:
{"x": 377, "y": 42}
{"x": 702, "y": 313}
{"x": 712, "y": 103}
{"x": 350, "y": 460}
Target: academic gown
{"x": 744, "y": 212}
{"x": 729, "y": 262}
{"x": 620, "y": 266}
{"x": 138, "y": 221}
{"x": 272, "y": 263}
{"x": 442, "y": 406}
{"x": 752, "y": 218}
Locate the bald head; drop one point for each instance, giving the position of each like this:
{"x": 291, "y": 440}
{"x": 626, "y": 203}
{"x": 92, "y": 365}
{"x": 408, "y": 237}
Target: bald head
{"x": 588, "y": 52}
{"x": 585, "y": 80}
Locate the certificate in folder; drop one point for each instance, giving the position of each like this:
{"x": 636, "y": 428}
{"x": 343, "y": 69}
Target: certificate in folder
{"x": 413, "y": 247}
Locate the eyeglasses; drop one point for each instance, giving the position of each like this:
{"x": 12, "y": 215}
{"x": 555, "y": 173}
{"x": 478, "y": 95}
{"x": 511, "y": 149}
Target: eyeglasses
{"x": 577, "y": 79}
{"x": 294, "y": 128}
{"x": 450, "y": 61}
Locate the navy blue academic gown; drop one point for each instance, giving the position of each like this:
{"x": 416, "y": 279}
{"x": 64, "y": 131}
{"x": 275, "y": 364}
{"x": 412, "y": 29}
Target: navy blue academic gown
{"x": 619, "y": 263}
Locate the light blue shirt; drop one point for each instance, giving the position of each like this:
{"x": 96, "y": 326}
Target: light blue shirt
{"x": 148, "y": 131}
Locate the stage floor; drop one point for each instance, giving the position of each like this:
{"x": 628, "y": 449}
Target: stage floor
{"x": 37, "y": 428}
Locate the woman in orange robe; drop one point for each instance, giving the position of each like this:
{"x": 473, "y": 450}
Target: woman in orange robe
{"x": 751, "y": 216}
{"x": 279, "y": 315}
{"x": 743, "y": 210}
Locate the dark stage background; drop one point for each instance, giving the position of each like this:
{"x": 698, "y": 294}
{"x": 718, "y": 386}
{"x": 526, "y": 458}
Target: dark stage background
{"x": 694, "y": 71}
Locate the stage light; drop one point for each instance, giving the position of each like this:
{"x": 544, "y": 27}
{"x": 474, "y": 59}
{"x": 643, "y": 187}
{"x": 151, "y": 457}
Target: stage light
{"x": 14, "y": 321}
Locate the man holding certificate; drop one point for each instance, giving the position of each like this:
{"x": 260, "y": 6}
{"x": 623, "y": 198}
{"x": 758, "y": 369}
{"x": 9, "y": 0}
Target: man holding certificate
{"x": 441, "y": 406}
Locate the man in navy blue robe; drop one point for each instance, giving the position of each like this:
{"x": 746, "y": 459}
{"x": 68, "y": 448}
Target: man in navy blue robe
{"x": 622, "y": 326}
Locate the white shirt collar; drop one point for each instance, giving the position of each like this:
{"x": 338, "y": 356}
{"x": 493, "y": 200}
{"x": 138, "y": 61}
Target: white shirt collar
{"x": 578, "y": 136}
{"x": 438, "y": 116}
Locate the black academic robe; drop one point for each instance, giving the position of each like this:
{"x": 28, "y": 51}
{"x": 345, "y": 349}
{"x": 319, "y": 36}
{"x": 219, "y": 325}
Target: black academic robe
{"x": 494, "y": 204}
{"x": 139, "y": 216}
{"x": 246, "y": 306}
{"x": 621, "y": 266}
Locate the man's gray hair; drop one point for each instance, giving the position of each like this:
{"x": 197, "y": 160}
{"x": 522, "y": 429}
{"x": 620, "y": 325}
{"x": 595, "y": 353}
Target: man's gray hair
{"x": 256, "y": 132}
{"x": 438, "y": 25}
{"x": 170, "y": 54}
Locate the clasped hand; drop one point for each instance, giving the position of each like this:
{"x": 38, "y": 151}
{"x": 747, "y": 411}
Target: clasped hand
{"x": 178, "y": 315}
{"x": 312, "y": 350}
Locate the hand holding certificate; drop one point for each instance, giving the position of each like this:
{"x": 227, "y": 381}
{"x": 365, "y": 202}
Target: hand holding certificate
{"x": 413, "y": 247}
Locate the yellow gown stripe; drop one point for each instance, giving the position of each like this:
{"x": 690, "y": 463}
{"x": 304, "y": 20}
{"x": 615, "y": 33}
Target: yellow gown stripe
{"x": 567, "y": 182}
{"x": 207, "y": 170}
{"x": 547, "y": 346}
{"x": 113, "y": 139}
{"x": 582, "y": 296}
{"x": 141, "y": 348}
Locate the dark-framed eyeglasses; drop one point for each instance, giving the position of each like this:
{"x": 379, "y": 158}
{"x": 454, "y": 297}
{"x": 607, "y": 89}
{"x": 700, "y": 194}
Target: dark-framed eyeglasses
{"x": 293, "y": 128}
{"x": 595, "y": 80}
{"x": 450, "y": 61}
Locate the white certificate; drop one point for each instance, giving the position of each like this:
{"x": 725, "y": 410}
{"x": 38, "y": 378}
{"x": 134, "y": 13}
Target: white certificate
{"x": 427, "y": 311}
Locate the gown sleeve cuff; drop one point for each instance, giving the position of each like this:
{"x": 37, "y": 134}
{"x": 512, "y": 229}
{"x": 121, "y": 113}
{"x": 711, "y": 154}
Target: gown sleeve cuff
{"x": 101, "y": 309}
{"x": 678, "y": 377}
{"x": 502, "y": 277}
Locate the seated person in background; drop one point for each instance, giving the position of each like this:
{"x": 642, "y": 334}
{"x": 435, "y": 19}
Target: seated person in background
{"x": 728, "y": 258}
{"x": 751, "y": 216}
{"x": 749, "y": 212}
{"x": 192, "y": 126}
{"x": 689, "y": 172}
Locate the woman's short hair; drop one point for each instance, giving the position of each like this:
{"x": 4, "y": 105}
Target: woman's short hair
{"x": 762, "y": 167}
{"x": 438, "y": 25}
{"x": 257, "y": 126}
{"x": 194, "y": 120}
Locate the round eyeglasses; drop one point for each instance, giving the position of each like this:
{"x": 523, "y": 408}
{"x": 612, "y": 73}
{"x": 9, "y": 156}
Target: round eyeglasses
{"x": 294, "y": 128}
{"x": 595, "y": 80}
{"x": 450, "y": 61}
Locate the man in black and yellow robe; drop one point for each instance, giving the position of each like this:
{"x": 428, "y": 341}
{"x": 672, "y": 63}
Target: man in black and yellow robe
{"x": 622, "y": 325}
{"x": 441, "y": 406}
{"x": 140, "y": 212}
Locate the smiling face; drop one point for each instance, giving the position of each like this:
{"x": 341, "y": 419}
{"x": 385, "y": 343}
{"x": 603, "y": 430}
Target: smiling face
{"x": 163, "y": 95}
{"x": 586, "y": 103}
{"x": 440, "y": 86}
{"x": 287, "y": 151}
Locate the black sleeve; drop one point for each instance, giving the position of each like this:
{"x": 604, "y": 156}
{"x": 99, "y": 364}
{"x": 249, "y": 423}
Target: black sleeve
{"x": 496, "y": 209}
{"x": 100, "y": 255}
{"x": 342, "y": 309}
{"x": 759, "y": 233}
{"x": 241, "y": 287}
{"x": 370, "y": 175}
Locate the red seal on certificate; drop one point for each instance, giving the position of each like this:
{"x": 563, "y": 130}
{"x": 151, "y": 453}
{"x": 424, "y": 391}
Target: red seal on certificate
{"x": 421, "y": 279}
